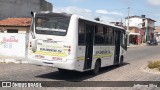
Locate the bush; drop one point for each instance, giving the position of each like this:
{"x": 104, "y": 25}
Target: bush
{"x": 159, "y": 68}
{"x": 154, "y": 64}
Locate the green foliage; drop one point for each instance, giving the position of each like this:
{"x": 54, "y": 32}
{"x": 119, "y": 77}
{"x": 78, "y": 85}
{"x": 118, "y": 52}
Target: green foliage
{"x": 154, "y": 64}
{"x": 97, "y": 19}
{"x": 159, "y": 68}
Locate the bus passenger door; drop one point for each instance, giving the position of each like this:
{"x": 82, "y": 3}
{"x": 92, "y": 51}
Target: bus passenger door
{"x": 117, "y": 47}
{"x": 89, "y": 46}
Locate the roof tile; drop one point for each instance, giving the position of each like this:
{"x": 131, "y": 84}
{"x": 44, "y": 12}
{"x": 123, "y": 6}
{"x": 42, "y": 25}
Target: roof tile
{"x": 16, "y": 22}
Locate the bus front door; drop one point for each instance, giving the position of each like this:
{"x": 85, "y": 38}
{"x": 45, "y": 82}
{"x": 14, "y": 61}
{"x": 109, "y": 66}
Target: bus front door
{"x": 89, "y": 46}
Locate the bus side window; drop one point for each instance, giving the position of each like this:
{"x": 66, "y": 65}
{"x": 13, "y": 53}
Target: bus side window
{"x": 105, "y": 30}
{"x": 81, "y": 34}
{"x": 99, "y": 35}
{"x": 109, "y": 36}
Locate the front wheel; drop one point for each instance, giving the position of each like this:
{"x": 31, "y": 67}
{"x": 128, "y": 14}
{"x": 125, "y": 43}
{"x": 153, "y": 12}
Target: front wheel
{"x": 95, "y": 71}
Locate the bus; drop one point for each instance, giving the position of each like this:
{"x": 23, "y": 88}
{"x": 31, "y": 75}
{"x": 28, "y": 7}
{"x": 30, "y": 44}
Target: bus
{"x": 72, "y": 42}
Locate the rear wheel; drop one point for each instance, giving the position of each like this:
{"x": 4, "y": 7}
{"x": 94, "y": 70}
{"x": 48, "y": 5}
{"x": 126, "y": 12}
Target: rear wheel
{"x": 95, "y": 71}
{"x": 121, "y": 60}
{"x": 62, "y": 70}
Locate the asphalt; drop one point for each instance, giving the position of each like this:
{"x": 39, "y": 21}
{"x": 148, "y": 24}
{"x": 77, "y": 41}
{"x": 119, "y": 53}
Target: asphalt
{"x": 133, "y": 69}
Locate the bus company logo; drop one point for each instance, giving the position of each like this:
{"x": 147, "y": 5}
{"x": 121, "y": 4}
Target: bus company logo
{"x": 6, "y": 84}
{"x": 10, "y": 39}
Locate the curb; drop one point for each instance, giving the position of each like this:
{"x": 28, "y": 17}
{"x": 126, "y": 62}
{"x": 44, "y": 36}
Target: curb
{"x": 132, "y": 46}
{"x": 9, "y": 60}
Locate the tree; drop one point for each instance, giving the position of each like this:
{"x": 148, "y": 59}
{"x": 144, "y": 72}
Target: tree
{"x": 97, "y": 19}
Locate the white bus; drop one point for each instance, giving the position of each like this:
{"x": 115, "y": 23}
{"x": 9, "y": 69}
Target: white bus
{"x": 71, "y": 42}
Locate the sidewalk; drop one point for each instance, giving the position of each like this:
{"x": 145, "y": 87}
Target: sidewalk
{"x": 132, "y": 46}
{"x": 9, "y": 59}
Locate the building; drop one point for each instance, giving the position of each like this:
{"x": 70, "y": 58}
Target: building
{"x": 157, "y": 29}
{"x": 22, "y": 8}
{"x": 145, "y": 25}
{"x": 15, "y": 25}
{"x": 136, "y": 35}
{"x": 157, "y": 33}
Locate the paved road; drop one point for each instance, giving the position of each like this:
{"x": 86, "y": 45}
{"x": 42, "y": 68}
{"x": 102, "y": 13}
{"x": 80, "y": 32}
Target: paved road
{"x": 132, "y": 70}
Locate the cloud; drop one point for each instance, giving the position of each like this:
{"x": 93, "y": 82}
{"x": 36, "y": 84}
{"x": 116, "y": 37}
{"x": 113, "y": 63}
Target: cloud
{"x": 72, "y": 10}
{"x": 154, "y": 2}
{"x": 109, "y": 12}
{"x": 117, "y": 13}
{"x": 157, "y": 14}
{"x": 104, "y": 15}
{"x": 75, "y": 10}
{"x": 102, "y": 11}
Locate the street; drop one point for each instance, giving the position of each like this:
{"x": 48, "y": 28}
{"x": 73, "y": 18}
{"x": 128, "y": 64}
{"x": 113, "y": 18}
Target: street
{"x": 133, "y": 69}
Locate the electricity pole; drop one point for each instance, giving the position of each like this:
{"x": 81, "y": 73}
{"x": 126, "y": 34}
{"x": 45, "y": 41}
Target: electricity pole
{"x": 128, "y": 18}
{"x": 128, "y": 41}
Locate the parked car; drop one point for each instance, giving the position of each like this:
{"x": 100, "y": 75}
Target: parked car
{"x": 152, "y": 42}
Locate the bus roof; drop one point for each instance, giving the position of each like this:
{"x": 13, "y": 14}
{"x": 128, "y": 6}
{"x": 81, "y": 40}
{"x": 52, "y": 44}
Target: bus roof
{"x": 78, "y": 16}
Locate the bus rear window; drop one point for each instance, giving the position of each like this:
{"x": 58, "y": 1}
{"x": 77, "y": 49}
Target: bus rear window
{"x": 51, "y": 25}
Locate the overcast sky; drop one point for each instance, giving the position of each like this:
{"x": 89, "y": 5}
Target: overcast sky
{"x": 109, "y": 10}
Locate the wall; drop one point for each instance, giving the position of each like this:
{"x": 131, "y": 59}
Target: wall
{"x": 22, "y": 8}
{"x": 157, "y": 33}
{"x": 13, "y": 45}
{"x": 149, "y": 23}
{"x": 21, "y": 30}
{"x": 136, "y": 22}
{"x": 157, "y": 29}
{"x": 158, "y": 37}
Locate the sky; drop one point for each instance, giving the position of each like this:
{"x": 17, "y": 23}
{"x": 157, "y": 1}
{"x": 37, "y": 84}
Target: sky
{"x": 109, "y": 10}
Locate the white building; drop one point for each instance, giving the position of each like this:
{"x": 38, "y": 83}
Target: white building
{"x": 144, "y": 23}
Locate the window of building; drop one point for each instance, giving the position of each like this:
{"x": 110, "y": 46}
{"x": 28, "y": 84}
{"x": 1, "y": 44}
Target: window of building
{"x": 12, "y": 30}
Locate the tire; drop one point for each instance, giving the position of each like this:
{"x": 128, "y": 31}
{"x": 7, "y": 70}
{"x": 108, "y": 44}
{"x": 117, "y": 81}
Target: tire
{"x": 121, "y": 60}
{"x": 96, "y": 69}
{"x": 62, "y": 70}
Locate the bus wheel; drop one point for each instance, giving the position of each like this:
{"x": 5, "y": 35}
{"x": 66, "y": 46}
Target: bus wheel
{"x": 95, "y": 71}
{"x": 62, "y": 70}
{"x": 121, "y": 60}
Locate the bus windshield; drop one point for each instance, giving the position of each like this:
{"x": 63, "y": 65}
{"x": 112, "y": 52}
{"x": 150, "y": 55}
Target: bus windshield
{"x": 52, "y": 25}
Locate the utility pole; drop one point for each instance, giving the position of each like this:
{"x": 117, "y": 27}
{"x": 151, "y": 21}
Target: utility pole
{"x": 128, "y": 41}
{"x": 128, "y": 18}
